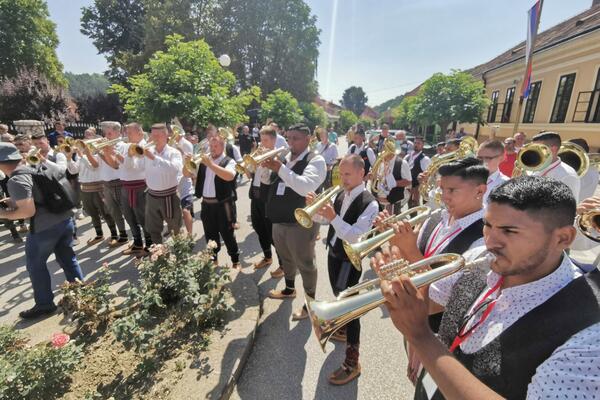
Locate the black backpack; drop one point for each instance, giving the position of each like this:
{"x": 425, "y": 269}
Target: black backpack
{"x": 57, "y": 193}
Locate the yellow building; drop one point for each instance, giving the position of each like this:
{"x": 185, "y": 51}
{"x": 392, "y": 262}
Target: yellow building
{"x": 565, "y": 95}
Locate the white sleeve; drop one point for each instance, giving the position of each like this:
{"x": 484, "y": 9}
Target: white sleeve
{"x": 236, "y": 154}
{"x": 425, "y": 161}
{"x": 371, "y": 156}
{"x": 351, "y": 233}
{"x": 312, "y": 177}
{"x": 73, "y": 166}
{"x": 406, "y": 171}
{"x": 440, "y": 291}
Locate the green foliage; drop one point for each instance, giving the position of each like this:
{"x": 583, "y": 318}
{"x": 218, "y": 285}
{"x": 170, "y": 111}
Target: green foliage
{"x": 367, "y": 122}
{"x": 390, "y": 104}
{"x": 273, "y": 43}
{"x": 28, "y": 40}
{"x": 88, "y": 303}
{"x": 31, "y": 95}
{"x": 347, "y": 119}
{"x": 187, "y": 82}
{"x": 173, "y": 281}
{"x": 38, "y": 372}
{"x": 404, "y": 113}
{"x": 282, "y": 108}
{"x": 314, "y": 115}
{"x": 86, "y": 85}
{"x": 354, "y": 99}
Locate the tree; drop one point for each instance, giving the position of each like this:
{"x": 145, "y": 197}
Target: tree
{"x": 404, "y": 114}
{"x": 85, "y": 85}
{"x": 390, "y": 104}
{"x": 28, "y": 40}
{"x": 281, "y": 107}
{"x": 347, "y": 119}
{"x": 31, "y": 95}
{"x": 273, "y": 43}
{"x": 447, "y": 98}
{"x": 185, "y": 81}
{"x": 99, "y": 107}
{"x": 354, "y": 99}
{"x": 314, "y": 115}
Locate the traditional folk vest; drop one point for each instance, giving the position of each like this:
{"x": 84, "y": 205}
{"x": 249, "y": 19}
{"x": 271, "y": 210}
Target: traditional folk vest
{"x": 280, "y": 208}
{"x": 416, "y": 169}
{"x": 397, "y": 193}
{"x": 364, "y": 156}
{"x": 357, "y": 207}
{"x": 223, "y": 188}
{"x": 508, "y": 363}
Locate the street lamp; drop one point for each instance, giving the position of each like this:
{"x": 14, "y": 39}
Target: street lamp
{"x": 224, "y": 60}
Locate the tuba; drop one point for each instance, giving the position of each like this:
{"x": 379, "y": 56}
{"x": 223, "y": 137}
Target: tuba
{"x": 574, "y": 156}
{"x": 532, "y": 157}
{"x": 588, "y": 224}
{"x": 388, "y": 151}
{"x": 359, "y": 250}
{"x": 329, "y": 316}
{"x": 468, "y": 147}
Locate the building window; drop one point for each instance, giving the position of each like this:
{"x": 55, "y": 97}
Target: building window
{"x": 531, "y": 103}
{"x": 510, "y": 96}
{"x": 594, "y": 111}
{"x": 494, "y": 107}
{"x": 563, "y": 96}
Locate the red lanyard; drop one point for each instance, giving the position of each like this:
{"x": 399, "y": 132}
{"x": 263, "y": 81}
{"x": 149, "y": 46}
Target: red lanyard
{"x": 547, "y": 172}
{"x": 462, "y": 335}
{"x": 429, "y": 251}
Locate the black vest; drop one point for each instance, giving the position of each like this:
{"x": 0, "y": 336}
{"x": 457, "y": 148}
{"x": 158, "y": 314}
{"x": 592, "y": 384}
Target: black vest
{"x": 260, "y": 193}
{"x": 460, "y": 243}
{"x": 416, "y": 169}
{"x": 280, "y": 209}
{"x": 223, "y": 188}
{"x": 508, "y": 363}
{"x": 229, "y": 150}
{"x": 355, "y": 210}
{"x": 397, "y": 193}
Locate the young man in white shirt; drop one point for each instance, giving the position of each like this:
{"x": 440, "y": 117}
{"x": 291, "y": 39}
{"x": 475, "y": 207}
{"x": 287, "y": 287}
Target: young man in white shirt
{"x": 329, "y": 152}
{"x": 186, "y": 185}
{"x": 363, "y": 150}
{"x": 490, "y": 153}
{"x": 529, "y": 328}
{"x": 418, "y": 162}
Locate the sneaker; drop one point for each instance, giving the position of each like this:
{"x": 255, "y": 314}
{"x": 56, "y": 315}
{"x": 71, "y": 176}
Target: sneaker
{"x": 38, "y": 311}
{"x": 265, "y": 262}
{"x": 344, "y": 374}
{"x": 278, "y": 273}
{"x": 23, "y": 228}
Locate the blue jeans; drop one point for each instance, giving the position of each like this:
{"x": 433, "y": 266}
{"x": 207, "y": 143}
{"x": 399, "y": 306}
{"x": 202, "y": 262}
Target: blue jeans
{"x": 57, "y": 239}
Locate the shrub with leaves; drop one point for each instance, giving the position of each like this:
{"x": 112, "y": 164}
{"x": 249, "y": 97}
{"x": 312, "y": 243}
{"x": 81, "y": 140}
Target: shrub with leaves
{"x": 88, "y": 303}
{"x": 173, "y": 281}
{"x": 37, "y": 372}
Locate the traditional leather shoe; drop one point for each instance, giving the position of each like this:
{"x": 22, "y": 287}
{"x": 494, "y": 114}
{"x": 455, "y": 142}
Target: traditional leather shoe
{"x": 132, "y": 250}
{"x": 265, "y": 262}
{"x": 279, "y": 295}
{"x": 95, "y": 240}
{"x": 116, "y": 242}
{"x": 278, "y": 273}
{"x": 300, "y": 314}
{"x": 236, "y": 265}
{"x": 37, "y": 311}
{"x": 344, "y": 374}
{"x": 23, "y": 228}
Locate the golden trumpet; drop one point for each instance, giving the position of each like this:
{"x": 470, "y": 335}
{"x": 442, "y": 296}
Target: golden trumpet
{"x": 135, "y": 150}
{"x": 83, "y": 144}
{"x": 304, "y": 215}
{"x": 254, "y": 161}
{"x": 395, "y": 218}
{"x": 328, "y": 316}
{"x": 242, "y": 167}
{"x": 588, "y": 224}
{"x": 575, "y": 156}
{"x": 359, "y": 250}
{"x": 193, "y": 163}
{"x": 532, "y": 157}
{"x": 65, "y": 148}
{"x": 33, "y": 156}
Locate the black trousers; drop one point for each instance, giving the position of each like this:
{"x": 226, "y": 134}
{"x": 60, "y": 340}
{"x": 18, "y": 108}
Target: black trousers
{"x": 342, "y": 275}
{"x": 217, "y": 220}
{"x": 262, "y": 225}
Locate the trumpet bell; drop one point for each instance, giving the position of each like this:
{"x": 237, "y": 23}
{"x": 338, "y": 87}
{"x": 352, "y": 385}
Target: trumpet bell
{"x": 575, "y": 156}
{"x": 589, "y": 225}
{"x": 532, "y": 157}
{"x": 304, "y": 215}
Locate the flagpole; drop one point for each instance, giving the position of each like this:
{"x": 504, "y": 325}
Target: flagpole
{"x": 530, "y": 62}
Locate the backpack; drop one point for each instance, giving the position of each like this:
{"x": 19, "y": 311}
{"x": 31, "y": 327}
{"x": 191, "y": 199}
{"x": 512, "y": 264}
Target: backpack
{"x": 57, "y": 193}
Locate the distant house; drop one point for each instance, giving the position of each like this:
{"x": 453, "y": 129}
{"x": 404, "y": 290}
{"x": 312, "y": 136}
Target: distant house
{"x": 331, "y": 109}
{"x": 368, "y": 112}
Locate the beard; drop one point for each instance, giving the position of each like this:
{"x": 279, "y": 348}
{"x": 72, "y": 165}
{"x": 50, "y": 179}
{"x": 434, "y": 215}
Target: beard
{"x": 528, "y": 264}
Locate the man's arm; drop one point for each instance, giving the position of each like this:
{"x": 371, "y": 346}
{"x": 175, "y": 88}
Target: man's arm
{"x": 23, "y": 209}
{"x": 312, "y": 177}
{"x": 227, "y": 173}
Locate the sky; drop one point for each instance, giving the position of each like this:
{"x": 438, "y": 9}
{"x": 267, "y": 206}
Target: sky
{"x": 387, "y": 47}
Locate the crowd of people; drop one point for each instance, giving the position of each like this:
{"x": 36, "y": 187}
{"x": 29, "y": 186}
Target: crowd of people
{"x": 506, "y": 331}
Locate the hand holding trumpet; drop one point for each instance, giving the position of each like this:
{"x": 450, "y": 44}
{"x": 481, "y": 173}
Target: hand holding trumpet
{"x": 273, "y": 164}
{"x": 405, "y": 238}
{"x": 326, "y": 211}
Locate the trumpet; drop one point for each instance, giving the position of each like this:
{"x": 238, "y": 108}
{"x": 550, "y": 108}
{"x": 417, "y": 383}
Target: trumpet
{"x": 575, "y": 156}
{"x": 97, "y": 146}
{"x": 135, "y": 150}
{"x": 304, "y": 215}
{"x": 328, "y": 316}
{"x": 227, "y": 135}
{"x": 83, "y": 144}
{"x": 193, "y": 163}
{"x": 395, "y": 218}
{"x": 389, "y": 150}
{"x": 243, "y": 168}
{"x": 65, "y": 148}
{"x": 33, "y": 156}
{"x": 254, "y": 161}
{"x": 359, "y": 250}
{"x": 468, "y": 147}
{"x": 532, "y": 157}
{"x": 588, "y": 224}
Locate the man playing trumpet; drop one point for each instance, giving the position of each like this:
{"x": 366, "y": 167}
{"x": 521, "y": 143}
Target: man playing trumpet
{"x": 350, "y": 216}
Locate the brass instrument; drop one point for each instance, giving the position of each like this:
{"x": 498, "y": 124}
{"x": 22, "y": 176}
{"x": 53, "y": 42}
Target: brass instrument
{"x": 388, "y": 151}
{"x": 468, "y": 147}
{"x": 574, "y": 156}
{"x": 329, "y": 316}
{"x": 193, "y": 163}
{"x": 588, "y": 224}
{"x": 254, "y": 161}
{"x": 135, "y": 150}
{"x": 532, "y": 157}
{"x": 65, "y": 148}
{"x": 242, "y": 168}
{"x": 97, "y": 146}
{"x": 83, "y": 144}
{"x": 304, "y": 215}
{"x": 395, "y": 218}
{"x": 33, "y": 156}
{"x": 227, "y": 135}
{"x": 359, "y": 250}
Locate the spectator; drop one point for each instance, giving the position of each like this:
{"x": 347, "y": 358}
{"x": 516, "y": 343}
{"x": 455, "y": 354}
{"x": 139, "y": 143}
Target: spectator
{"x": 440, "y": 148}
{"x": 461, "y": 134}
{"x": 510, "y": 156}
{"x": 405, "y": 146}
{"x": 59, "y": 129}
{"x": 519, "y": 141}
{"x": 246, "y": 141}
{"x": 333, "y": 136}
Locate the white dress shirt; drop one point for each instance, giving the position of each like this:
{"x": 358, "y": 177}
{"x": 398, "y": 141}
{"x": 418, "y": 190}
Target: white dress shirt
{"x": 106, "y": 172}
{"x": 329, "y": 152}
{"x": 132, "y": 168}
{"x": 261, "y": 175}
{"x": 209, "y": 189}
{"x": 573, "y": 369}
{"x": 370, "y": 153}
{"x": 186, "y": 185}
{"x": 385, "y": 186}
{"x": 313, "y": 176}
{"x": 281, "y": 142}
{"x": 443, "y": 234}
{"x": 564, "y": 173}
{"x": 363, "y": 224}
{"x": 237, "y": 156}
{"x": 589, "y": 183}
{"x": 494, "y": 180}
{"x": 412, "y": 156}
{"x": 83, "y": 167}
{"x": 164, "y": 171}
{"x": 61, "y": 160}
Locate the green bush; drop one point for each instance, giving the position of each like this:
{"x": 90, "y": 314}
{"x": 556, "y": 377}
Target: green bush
{"x": 38, "y": 372}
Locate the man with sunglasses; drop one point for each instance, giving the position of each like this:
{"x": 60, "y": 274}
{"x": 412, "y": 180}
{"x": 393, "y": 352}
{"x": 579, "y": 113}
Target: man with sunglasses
{"x": 490, "y": 154}
{"x": 530, "y": 327}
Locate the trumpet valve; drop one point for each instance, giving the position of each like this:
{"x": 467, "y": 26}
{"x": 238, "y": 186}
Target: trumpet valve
{"x": 394, "y": 269}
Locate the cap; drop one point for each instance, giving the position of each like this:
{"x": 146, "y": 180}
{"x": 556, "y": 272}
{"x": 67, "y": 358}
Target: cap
{"x": 8, "y": 152}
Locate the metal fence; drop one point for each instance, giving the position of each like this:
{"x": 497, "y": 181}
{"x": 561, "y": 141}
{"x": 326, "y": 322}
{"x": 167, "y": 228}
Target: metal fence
{"x": 76, "y": 128}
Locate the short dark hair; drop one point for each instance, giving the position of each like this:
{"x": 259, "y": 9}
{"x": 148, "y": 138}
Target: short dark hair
{"x": 582, "y": 143}
{"x": 492, "y": 145}
{"x": 548, "y": 199}
{"x": 268, "y": 130}
{"x": 469, "y": 169}
{"x": 38, "y": 135}
{"x": 299, "y": 128}
{"x": 356, "y": 160}
{"x": 455, "y": 142}
{"x": 552, "y": 138}
{"x": 419, "y": 138}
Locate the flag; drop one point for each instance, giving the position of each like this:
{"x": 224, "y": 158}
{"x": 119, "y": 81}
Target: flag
{"x": 533, "y": 21}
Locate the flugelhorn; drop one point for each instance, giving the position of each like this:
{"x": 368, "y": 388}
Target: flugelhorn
{"x": 65, "y": 148}
{"x": 395, "y": 218}
{"x": 304, "y": 215}
{"x": 588, "y": 224}
{"x": 575, "y": 156}
{"x": 328, "y": 316}
{"x": 388, "y": 151}
{"x": 359, "y": 250}
{"x": 532, "y": 157}
{"x": 256, "y": 160}
{"x": 135, "y": 150}
{"x": 194, "y": 162}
